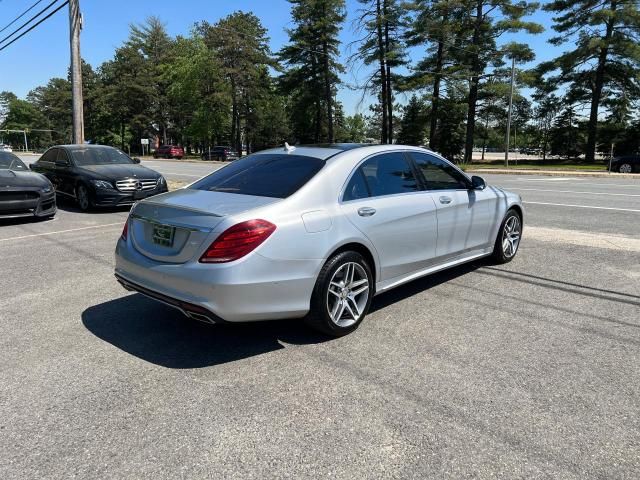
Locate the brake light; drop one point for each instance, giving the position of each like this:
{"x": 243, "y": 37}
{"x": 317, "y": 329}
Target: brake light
{"x": 238, "y": 241}
{"x": 125, "y": 230}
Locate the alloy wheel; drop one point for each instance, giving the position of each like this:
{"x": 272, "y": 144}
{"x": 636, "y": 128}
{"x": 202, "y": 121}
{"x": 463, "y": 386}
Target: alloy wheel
{"x": 625, "y": 168}
{"x": 83, "y": 197}
{"x": 347, "y": 294}
{"x": 511, "y": 236}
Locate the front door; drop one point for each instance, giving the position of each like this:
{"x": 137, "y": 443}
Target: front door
{"x": 464, "y": 214}
{"x": 384, "y": 201}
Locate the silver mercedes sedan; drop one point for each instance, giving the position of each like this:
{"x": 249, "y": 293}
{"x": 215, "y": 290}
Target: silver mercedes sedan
{"x": 312, "y": 232}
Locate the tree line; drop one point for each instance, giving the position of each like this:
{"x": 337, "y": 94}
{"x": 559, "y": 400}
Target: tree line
{"x": 222, "y": 84}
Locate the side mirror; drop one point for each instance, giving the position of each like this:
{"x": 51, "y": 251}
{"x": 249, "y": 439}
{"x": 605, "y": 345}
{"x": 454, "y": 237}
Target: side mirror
{"x": 135, "y": 160}
{"x": 478, "y": 183}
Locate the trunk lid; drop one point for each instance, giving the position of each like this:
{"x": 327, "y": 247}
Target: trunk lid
{"x": 173, "y": 226}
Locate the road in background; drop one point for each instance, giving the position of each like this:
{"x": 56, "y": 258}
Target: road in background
{"x": 588, "y": 204}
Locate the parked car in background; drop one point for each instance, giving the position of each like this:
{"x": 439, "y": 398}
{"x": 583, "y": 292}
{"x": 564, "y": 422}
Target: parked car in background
{"x": 312, "y": 231}
{"x": 169, "y": 151}
{"x": 98, "y": 176}
{"x": 221, "y": 154}
{"x": 626, "y": 164}
{"x": 24, "y": 193}
{"x": 5, "y": 148}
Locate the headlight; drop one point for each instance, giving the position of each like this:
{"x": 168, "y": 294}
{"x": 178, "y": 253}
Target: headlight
{"x": 47, "y": 188}
{"x": 161, "y": 181}
{"x": 101, "y": 184}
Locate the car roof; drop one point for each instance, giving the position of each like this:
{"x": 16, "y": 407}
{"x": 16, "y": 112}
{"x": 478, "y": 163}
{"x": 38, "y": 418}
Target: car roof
{"x": 82, "y": 145}
{"x": 325, "y": 151}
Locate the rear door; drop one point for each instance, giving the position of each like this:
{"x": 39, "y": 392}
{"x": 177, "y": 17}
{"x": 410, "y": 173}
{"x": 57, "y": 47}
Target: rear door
{"x": 63, "y": 173}
{"x": 384, "y": 200}
{"x": 464, "y": 215}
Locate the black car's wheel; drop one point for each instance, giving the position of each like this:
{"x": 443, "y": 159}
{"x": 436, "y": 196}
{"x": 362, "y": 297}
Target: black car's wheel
{"x": 83, "y": 198}
{"x": 342, "y": 295}
{"x": 508, "y": 239}
{"x": 625, "y": 168}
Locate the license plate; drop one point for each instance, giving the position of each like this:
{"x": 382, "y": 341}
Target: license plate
{"x": 139, "y": 195}
{"x": 163, "y": 235}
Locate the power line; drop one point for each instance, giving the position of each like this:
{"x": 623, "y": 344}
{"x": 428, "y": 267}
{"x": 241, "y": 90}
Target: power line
{"x": 20, "y": 16}
{"x": 28, "y": 22}
{"x": 34, "y": 26}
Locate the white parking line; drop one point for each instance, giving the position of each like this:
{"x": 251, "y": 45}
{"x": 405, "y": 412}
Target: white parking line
{"x": 572, "y": 191}
{"x": 584, "y": 206}
{"x": 580, "y": 182}
{"x": 62, "y": 231}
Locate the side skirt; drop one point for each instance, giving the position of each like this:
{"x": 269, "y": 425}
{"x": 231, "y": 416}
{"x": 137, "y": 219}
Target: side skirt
{"x": 397, "y": 281}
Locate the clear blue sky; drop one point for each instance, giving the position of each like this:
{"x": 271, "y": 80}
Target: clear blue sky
{"x": 44, "y": 52}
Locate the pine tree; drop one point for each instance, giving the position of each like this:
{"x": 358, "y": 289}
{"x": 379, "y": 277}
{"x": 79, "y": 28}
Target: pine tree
{"x": 606, "y": 57}
{"x": 486, "y": 22}
{"x": 241, "y": 44}
{"x": 314, "y": 68}
{"x": 414, "y": 123}
{"x": 380, "y": 23}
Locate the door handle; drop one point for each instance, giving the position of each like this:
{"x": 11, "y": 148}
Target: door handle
{"x": 366, "y": 211}
{"x": 445, "y": 200}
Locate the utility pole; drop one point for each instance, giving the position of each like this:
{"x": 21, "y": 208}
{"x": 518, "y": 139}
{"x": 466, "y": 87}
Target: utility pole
{"x": 513, "y": 73}
{"x": 75, "y": 25}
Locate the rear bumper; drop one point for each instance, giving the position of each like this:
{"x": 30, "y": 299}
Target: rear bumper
{"x": 42, "y": 205}
{"x": 251, "y": 289}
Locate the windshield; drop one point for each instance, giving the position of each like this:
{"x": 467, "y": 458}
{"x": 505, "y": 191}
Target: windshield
{"x": 265, "y": 175}
{"x": 99, "y": 156}
{"x": 11, "y": 162}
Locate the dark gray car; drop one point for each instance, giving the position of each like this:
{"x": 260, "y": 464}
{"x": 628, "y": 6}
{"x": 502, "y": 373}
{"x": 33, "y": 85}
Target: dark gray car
{"x": 24, "y": 193}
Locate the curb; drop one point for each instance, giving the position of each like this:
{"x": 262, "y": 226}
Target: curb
{"x": 553, "y": 173}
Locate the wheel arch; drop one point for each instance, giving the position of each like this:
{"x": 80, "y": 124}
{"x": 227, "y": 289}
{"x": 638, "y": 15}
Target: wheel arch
{"x": 362, "y": 250}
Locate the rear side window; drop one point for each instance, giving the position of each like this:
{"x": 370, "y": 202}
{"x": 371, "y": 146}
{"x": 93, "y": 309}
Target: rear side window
{"x": 385, "y": 174}
{"x": 266, "y": 175}
{"x": 438, "y": 174}
{"x": 357, "y": 187}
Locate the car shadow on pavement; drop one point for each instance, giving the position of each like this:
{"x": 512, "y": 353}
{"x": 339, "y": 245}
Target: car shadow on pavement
{"x": 420, "y": 285}
{"x": 161, "y": 335}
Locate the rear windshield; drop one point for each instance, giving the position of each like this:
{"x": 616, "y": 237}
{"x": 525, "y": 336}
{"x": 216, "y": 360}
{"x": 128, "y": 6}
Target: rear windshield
{"x": 266, "y": 175}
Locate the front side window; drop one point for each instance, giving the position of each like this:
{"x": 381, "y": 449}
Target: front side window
{"x": 389, "y": 174}
{"x": 439, "y": 174}
{"x": 49, "y": 156}
{"x": 62, "y": 157}
{"x": 99, "y": 156}
{"x": 263, "y": 175}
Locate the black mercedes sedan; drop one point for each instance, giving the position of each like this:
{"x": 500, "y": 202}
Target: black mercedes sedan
{"x": 24, "y": 193}
{"x": 98, "y": 176}
{"x": 626, "y": 164}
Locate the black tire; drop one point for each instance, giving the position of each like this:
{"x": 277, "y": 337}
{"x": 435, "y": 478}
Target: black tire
{"x": 83, "y": 198}
{"x": 319, "y": 317}
{"x": 625, "y": 168}
{"x": 502, "y": 254}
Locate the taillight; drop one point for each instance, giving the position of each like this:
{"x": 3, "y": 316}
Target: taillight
{"x": 125, "y": 230}
{"x": 238, "y": 241}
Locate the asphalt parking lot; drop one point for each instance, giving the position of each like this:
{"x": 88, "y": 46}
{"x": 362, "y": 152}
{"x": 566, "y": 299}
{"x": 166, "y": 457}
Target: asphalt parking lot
{"x": 527, "y": 370}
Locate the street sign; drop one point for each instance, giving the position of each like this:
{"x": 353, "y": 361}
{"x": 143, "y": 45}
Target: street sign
{"x": 144, "y": 141}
